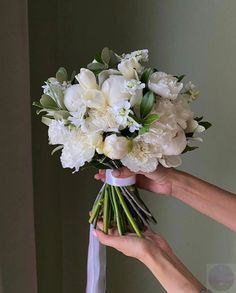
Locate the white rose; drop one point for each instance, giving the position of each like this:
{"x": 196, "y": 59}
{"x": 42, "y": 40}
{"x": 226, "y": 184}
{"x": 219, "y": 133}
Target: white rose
{"x": 165, "y": 85}
{"x": 86, "y": 79}
{"x": 129, "y": 67}
{"x": 176, "y": 145}
{"x": 73, "y": 98}
{"x": 57, "y": 132}
{"x": 113, "y": 88}
{"x": 116, "y": 147}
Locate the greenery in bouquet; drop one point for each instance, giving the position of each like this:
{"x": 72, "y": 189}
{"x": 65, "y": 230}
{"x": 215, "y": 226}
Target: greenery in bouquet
{"x": 118, "y": 112}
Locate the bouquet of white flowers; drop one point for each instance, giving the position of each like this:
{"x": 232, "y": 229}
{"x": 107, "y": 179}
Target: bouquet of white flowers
{"x": 118, "y": 112}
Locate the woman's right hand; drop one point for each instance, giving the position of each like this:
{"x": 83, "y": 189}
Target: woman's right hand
{"x": 159, "y": 181}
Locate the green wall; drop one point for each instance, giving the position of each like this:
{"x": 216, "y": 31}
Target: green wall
{"x": 197, "y": 38}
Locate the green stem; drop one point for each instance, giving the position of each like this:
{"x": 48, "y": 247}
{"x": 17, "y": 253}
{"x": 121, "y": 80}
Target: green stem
{"x": 96, "y": 207}
{"x": 127, "y": 212}
{"x": 117, "y": 216}
{"x": 105, "y": 212}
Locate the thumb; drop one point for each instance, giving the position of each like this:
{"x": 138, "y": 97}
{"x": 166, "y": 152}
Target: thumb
{"x": 108, "y": 240}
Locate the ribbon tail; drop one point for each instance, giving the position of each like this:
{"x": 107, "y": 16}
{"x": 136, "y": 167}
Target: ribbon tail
{"x": 96, "y": 265}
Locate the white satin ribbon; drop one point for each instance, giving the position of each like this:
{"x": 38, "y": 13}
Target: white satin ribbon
{"x": 96, "y": 263}
{"x": 110, "y": 179}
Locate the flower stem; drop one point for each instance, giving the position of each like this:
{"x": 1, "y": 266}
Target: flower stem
{"x": 105, "y": 212}
{"x": 96, "y": 208}
{"x": 117, "y": 216}
{"x": 127, "y": 212}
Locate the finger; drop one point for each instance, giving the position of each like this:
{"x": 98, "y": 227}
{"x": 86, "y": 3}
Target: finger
{"x": 145, "y": 183}
{"x": 108, "y": 240}
{"x": 112, "y": 231}
{"x": 122, "y": 172}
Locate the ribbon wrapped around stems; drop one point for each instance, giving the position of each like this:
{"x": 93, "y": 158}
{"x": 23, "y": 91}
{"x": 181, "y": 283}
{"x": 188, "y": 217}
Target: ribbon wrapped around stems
{"x": 118, "y": 205}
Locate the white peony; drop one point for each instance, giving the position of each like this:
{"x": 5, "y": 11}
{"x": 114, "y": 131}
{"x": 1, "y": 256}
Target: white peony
{"x": 79, "y": 149}
{"x": 130, "y": 67}
{"x": 113, "y": 89}
{"x": 165, "y": 85}
{"x": 87, "y": 79}
{"x": 97, "y": 121}
{"x": 57, "y": 132}
{"x": 143, "y": 156}
{"x": 116, "y": 147}
{"x": 176, "y": 145}
{"x": 73, "y": 98}
{"x": 170, "y": 161}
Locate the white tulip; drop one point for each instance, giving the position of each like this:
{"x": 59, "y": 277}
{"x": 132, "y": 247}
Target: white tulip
{"x": 87, "y": 79}
{"x": 165, "y": 85}
{"x": 113, "y": 88}
{"x": 129, "y": 68}
{"x": 94, "y": 99}
{"x": 116, "y": 147}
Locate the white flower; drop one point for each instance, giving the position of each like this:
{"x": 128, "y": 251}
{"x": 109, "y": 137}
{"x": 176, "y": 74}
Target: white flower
{"x": 135, "y": 88}
{"x": 87, "y": 79}
{"x": 73, "y": 98}
{"x": 78, "y": 149}
{"x": 94, "y": 99}
{"x": 116, "y": 147}
{"x": 143, "y": 156}
{"x": 113, "y": 89}
{"x": 133, "y": 125}
{"x": 121, "y": 112}
{"x": 52, "y": 83}
{"x": 98, "y": 121}
{"x": 57, "y": 132}
{"x": 170, "y": 161}
{"x": 140, "y": 55}
{"x": 130, "y": 67}
{"x": 191, "y": 91}
{"x": 165, "y": 85}
{"x": 176, "y": 145}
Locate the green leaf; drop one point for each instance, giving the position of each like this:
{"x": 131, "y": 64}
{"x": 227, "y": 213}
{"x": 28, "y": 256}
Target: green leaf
{"x": 151, "y": 118}
{"x": 147, "y": 104}
{"x": 46, "y": 120}
{"x": 62, "y": 75}
{"x": 105, "y": 55}
{"x": 57, "y": 95}
{"x": 98, "y": 58}
{"x": 47, "y": 102}
{"x": 73, "y": 74}
{"x": 37, "y": 104}
{"x": 96, "y": 66}
{"x": 180, "y": 78}
{"x": 143, "y": 130}
{"x": 56, "y": 149}
{"x": 62, "y": 114}
{"x": 205, "y": 124}
{"x": 189, "y": 149}
{"x": 114, "y": 59}
{"x": 198, "y": 119}
{"x": 146, "y": 75}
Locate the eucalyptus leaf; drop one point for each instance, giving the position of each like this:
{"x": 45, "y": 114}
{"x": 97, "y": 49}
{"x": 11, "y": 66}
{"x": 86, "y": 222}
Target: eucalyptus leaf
{"x": 58, "y": 95}
{"x": 73, "y": 74}
{"x": 114, "y": 59}
{"x": 198, "y": 119}
{"x": 96, "y": 66}
{"x": 37, "y": 104}
{"x": 150, "y": 119}
{"x": 47, "y": 102}
{"x": 56, "y": 149}
{"x": 180, "y": 78}
{"x": 62, "y": 114}
{"x": 62, "y": 75}
{"x": 105, "y": 55}
{"x": 147, "y": 104}
{"x": 45, "y": 120}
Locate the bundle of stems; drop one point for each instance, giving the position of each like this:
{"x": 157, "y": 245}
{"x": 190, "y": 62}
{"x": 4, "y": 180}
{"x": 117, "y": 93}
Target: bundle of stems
{"x": 121, "y": 207}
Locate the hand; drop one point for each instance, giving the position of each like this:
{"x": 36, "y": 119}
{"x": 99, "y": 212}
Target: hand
{"x": 159, "y": 181}
{"x": 132, "y": 245}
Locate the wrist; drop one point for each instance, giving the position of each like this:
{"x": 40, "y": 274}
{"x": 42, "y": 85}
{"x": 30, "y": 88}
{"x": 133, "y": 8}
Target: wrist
{"x": 179, "y": 181}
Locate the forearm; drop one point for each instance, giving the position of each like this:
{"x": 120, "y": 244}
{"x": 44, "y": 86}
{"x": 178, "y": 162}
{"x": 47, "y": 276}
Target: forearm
{"x": 208, "y": 199}
{"x": 171, "y": 273}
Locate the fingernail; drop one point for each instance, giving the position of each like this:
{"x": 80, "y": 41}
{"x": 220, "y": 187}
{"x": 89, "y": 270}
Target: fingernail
{"x": 116, "y": 173}
{"x": 95, "y": 233}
